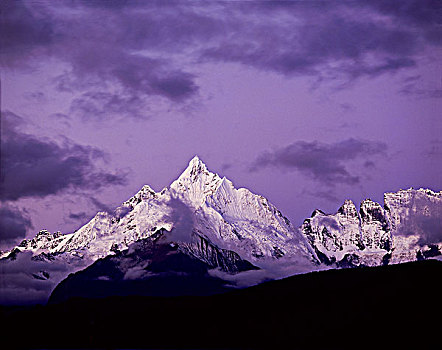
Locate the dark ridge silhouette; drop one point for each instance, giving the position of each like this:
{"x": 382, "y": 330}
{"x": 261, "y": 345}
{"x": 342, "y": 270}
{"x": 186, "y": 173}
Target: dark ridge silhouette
{"x": 393, "y": 307}
{"x": 149, "y": 268}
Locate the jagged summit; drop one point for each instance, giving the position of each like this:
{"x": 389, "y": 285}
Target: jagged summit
{"x": 400, "y": 230}
{"x": 195, "y": 183}
{"x": 348, "y": 208}
{"x": 196, "y": 167}
{"x": 145, "y": 193}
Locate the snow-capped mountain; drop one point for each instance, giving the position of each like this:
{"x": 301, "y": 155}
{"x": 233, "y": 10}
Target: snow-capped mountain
{"x": 204, "y": 214}
{"x": 406, "y": 228}
{"x": 206, "y": 218}
{"x": 199, "y": 204}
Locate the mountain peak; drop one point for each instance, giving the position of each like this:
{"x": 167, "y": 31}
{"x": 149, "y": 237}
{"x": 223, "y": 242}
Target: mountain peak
{"x": 348, "y": 209}
{"x": 196, "y": 162}
{"x": 195, "y": 167}
{"x": 196, "y": 182}
{"x": 195, "y": 159}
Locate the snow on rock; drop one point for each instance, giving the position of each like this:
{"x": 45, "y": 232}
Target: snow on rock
{"x": 195, "y": 184}
{"x": 334, "y": 236}
{"x": 407, "y": 228}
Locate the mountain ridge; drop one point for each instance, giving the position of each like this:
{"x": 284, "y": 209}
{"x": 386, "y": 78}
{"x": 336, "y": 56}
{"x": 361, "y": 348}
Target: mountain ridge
{"x": 201, "y": 210}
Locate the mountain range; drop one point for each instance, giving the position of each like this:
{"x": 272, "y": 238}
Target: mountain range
{"x": 201, "y": 235}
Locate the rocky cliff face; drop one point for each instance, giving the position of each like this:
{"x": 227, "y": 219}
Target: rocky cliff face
{"x": 407, "y": 228}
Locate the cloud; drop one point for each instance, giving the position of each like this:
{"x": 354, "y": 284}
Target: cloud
{"x": 14, "y": 223}
{"x": 226, "y": 166}
{"x": 270, "y": 269}
{"x": 139, "y": 76}
{"x": 431, "y": 229}
{"x": 37, "y": 167}
{"x": 182, "y": 217}
{"x": 78, "y": 216}
{"x": 25, "y": 33}
{"x": 329, "y": 223}
{"x": 326, "y": 45}
{"x": 111, "y": 4}
{"x": 414, "y": 85}
{"x": 328, "y": 194}
{"x": 119, "y": 55}
{"x": 18, "y": 286}
{"x": 100, "y": 205}
{"x": 325, "y": 163}
{"x": 424, "y": 219}
{"x": 114, "y": 64}
{"x": 93, "y": 105}
{"x": 424, "y": 16}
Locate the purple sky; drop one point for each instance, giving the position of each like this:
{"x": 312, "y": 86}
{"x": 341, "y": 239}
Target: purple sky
{"x": 307, "y": 103}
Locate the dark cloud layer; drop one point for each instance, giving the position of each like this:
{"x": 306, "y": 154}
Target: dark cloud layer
{"x": 37, "y": 167}
{"x": 13, "y": 223}
{"x": 26, "y": 33}
{"x": 326, "y": 163}
{"x": 322, "y": 45}
{"x": 333, "y": 39}
{"x": 424, "y": 16}
{"x": 100, "y": 46}
{"x": 119, "y": 54}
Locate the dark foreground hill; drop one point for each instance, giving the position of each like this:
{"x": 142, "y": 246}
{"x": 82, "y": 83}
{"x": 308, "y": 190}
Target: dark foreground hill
{"x": 158, "y": 269}
{"x": 391, "y": 307}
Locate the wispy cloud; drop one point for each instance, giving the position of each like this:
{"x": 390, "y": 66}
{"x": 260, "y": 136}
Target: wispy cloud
{"x": 424, "y": 219}
{"x": 37, "y": 167}
{"x": 14, "y": 223}
{"x": 325, "y": 163}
